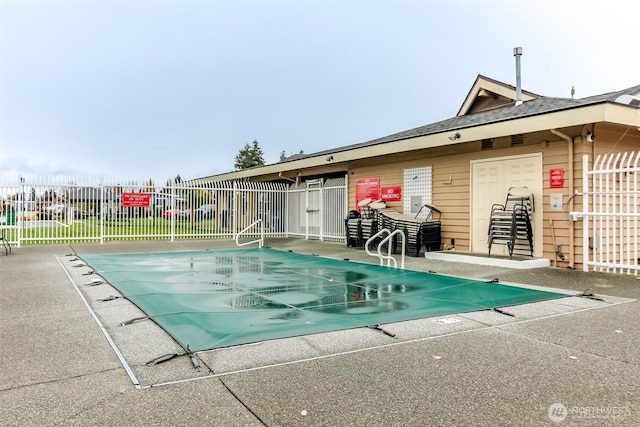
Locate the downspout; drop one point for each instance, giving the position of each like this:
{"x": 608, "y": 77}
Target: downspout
{"x": 571, "y": 193}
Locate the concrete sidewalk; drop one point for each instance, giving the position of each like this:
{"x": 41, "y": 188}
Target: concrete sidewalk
{"x": 574, "y": 363}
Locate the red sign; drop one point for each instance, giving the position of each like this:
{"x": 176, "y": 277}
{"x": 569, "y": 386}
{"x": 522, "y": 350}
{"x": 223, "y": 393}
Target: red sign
{"x": 367, "y": 188}
{"x": 391, "y": 193}
{"x": 556, "y": 178}
{"x": 136, "y": 200}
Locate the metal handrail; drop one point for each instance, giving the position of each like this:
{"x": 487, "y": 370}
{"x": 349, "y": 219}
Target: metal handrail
{"x": 388, "y": 257}
{"x": 259, "y": 241}
{"x": 371, "y": 239}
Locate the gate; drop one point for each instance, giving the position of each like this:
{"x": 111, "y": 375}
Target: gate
{"x": 317, "y": 208}
{"x": 611, "y": 212}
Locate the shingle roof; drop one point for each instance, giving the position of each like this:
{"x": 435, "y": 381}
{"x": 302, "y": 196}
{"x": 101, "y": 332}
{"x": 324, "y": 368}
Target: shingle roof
{"x": 542, "y": 105}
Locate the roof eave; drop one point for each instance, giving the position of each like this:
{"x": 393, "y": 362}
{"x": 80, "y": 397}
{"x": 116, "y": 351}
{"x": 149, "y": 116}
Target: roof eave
{"x": 600, "y": 112}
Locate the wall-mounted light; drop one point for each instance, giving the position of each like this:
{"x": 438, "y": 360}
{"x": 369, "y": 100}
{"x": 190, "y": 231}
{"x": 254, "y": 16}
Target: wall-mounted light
{"x": 454, "y": 136}
{"x": 329, "y": 158}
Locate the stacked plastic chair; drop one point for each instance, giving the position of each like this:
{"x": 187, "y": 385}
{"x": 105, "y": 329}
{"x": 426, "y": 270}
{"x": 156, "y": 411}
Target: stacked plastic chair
{"x": 510, "y": 223}
{"x": 360, "y": 226}
{"x": 418, "y": 231}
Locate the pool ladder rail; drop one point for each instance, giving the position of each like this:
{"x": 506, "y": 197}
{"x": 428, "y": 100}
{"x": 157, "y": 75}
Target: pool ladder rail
{"x": 388, "y": 257}
{"x": 259, "y": 241}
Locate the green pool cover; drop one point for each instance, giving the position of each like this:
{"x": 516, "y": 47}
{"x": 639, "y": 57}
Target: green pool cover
{"x": 213, "y": 299}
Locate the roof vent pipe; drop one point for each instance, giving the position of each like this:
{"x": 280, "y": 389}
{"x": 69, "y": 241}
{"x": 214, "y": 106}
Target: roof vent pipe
{"x": 517, "y": 52}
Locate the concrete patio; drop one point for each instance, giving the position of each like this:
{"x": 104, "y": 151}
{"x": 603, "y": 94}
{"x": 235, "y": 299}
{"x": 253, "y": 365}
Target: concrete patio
{"x": 66, "y": 361}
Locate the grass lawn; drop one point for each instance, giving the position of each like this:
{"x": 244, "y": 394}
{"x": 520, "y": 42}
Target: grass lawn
{"x": 90, "y": 229}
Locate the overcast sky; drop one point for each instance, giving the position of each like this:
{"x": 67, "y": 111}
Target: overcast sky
{"x": 159, "y": 88}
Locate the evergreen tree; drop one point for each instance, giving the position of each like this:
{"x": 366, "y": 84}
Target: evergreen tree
{"x": 249, "y": 156}
{"x": 283, "y": 155}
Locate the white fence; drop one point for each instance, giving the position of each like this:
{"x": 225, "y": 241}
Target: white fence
{"x": 611, "y": 212}
{"x": 96, "y": 209}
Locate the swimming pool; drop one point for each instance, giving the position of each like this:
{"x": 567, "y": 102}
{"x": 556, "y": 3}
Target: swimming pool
{"x": 221, "y": 298}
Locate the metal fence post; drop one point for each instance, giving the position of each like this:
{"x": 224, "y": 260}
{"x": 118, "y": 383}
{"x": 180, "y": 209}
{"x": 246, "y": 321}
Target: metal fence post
{"x": 102, "y": 208}
{"x": 234, "y": 210}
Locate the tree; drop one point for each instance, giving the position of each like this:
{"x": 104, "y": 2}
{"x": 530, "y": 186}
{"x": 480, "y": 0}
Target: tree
{"x": 283, "y": 155}
{"x": 249, "y": 156}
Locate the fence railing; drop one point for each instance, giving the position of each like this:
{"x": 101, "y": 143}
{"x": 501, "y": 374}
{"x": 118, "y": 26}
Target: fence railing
{"x": 46, "y": 209}
{"x": 611, "y": 213}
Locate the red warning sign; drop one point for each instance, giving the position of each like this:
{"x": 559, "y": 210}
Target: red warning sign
{"x": 556, "y": 178}
{"x": 136, "y": 200}
{"x": 367, "y": 188}
{"x": 391, "y": 193}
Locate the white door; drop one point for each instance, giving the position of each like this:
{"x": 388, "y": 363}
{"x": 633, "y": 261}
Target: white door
{"x": 491, "y": 180}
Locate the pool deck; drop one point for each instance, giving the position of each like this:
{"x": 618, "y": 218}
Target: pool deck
{"x": 481, "y": 368}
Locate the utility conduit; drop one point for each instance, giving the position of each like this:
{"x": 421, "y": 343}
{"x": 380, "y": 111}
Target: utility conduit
{"x": 570, "y": 149}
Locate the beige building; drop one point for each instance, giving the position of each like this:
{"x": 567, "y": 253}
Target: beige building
{"x": 467, "y": 163}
